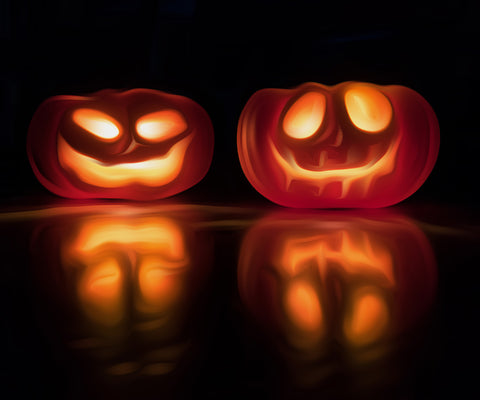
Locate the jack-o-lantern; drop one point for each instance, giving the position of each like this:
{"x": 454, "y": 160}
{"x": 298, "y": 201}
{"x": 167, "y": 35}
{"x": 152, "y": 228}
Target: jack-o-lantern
{"x": 141, "y": 144}
{"x": 350, "y": 145}
{"x": 317, "y": 283}
{"x": 123, "y": 284}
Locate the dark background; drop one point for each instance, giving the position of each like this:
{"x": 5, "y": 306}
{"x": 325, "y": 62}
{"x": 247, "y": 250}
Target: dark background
{"x": 220, "y": 53}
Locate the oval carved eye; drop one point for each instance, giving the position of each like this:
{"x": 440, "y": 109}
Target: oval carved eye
{"x": 161, "y": 125}
{"x": 368, "y": 108}
{"x": 305, "y": 116}
{"x": 97, "y": 123}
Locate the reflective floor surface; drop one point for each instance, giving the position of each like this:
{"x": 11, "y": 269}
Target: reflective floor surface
{"x": 183, "y": 301}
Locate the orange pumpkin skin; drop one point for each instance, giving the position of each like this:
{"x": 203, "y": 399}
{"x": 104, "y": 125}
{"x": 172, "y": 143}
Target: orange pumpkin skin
{"x": 140, "y": 144}
{"x": 350, "y": 145}
{"x": 358, "y": 280}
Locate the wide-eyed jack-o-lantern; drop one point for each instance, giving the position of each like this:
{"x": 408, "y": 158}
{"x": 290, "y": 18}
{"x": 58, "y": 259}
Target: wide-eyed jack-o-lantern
{"x": 350, "y": 145}
{"x": 140, "y": 144}
{"x": 317, "y": 283}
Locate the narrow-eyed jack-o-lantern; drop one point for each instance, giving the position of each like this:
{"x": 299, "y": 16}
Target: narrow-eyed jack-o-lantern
{"x": 357, "y": 281}
{"x": 350, "y": 145}
{"x": 140, "y": 144}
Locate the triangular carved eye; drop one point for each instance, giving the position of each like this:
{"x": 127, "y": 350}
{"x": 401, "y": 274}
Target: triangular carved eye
{"x": 305, "y": 116}
{"x": 161, "y": 125}
{"x": 368, "y": 108}
{"x": 97, "y": 123}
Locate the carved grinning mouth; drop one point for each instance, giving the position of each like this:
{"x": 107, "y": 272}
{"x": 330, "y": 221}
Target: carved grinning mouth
{"x": 155, "y": 171}
{"x": 365, "y": 174}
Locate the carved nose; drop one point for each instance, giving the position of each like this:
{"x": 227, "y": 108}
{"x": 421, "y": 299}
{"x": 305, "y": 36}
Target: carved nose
{"x": 131, "y": 148}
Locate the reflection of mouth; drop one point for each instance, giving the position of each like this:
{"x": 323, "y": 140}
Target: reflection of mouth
{"x": 155, "y": 171}
{"x": 353, "y": 252}
{"x": 365, "y": 174}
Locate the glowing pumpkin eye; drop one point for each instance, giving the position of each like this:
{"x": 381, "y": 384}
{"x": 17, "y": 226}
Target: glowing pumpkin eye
{"x": 161, "y": 125}
{"x": 97, "y": 123}
{"x": 305, "y": 116}
{"x": 368, "y": 108}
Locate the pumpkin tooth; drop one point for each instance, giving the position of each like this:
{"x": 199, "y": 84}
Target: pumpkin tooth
{"x": 323, "y": 158}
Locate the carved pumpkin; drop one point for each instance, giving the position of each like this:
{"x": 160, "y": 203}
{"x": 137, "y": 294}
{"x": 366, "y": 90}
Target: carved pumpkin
{"x": 350, "y": 145}
{"x": 140, "y": 144}
{"x": 358, "y": 281}
{"x": 125, "y": 281}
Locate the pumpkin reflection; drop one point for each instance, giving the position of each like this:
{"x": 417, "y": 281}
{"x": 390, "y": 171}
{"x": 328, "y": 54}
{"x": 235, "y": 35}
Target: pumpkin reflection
{"x": 109, "y": 249}
{"x": 336, "y": 278}
{"x": 125, "y": 284}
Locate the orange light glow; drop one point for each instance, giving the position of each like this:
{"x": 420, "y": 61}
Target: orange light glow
{"x": 344, "y": 146}
{"x": 160, "y": 282}
{"x": 364, "y": 175}
{"x": 335, "y": 286}
{"x": 96, "y": 122}
{"x": 353, "y": 252}
{"x": 126, "y": 282}
{"x": 368, "y": 320}
{"x": 111, "y": 249}
{"x": 156, "y": 171}
{"x": 356, "y": 253}
{"x": 368, "y": 108}
{"x": 305, "y": 116}
{"x": 148, "y": 234}
{"x": 303, "y": 307}
{"x": 161, "y": 125}
{"x": 138, "y": 144}
{"x": 101, "y": 292}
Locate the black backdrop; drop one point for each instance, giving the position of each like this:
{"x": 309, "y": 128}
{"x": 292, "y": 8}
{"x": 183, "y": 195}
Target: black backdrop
{"x": 220, "y": 53}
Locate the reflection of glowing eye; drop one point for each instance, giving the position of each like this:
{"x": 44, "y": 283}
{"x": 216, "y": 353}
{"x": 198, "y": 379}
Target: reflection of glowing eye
{"x": 368, "y": 108}
{"x": 97, "y": 123}
{"x": 303, "y": 307}
{"x": 305, "y": 116}
{"x": 161, "y": 125}
{"x": 368, "y": 319}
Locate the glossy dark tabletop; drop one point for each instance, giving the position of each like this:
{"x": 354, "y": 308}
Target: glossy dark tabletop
{"x": 114, "y": 300}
